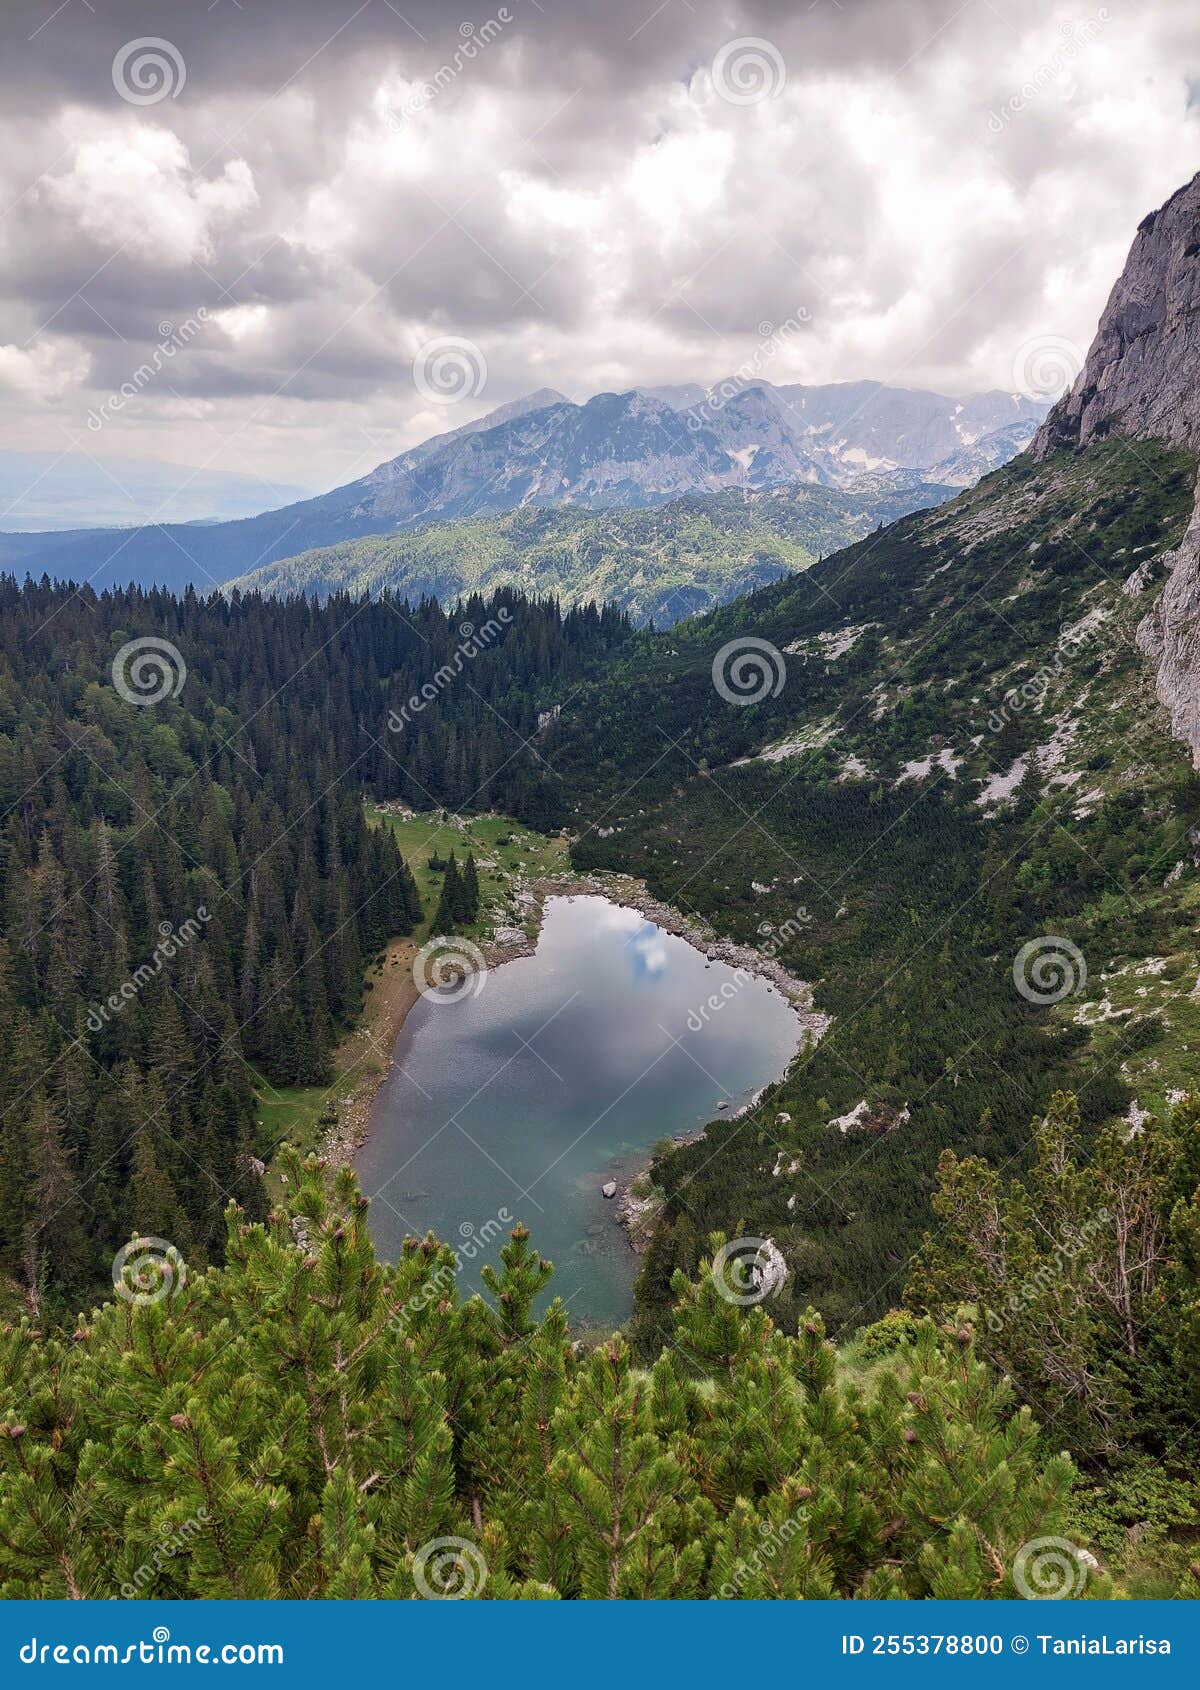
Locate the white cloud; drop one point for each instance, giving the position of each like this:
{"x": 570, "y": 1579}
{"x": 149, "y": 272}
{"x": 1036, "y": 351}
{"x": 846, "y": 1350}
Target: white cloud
{"x": 133, "y": 187}
{"x": 44, "y": 371}
{"x": 242, "y": 322}
{"x": 652, "y": 954}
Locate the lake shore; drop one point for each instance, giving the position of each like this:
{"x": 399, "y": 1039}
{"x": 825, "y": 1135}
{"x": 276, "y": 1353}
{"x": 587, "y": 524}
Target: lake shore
{"x": 635, "y": 894}
{"x": 364, "y": 1058}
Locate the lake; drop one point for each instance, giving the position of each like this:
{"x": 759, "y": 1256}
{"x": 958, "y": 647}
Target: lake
{"x": 562, "y": 1072}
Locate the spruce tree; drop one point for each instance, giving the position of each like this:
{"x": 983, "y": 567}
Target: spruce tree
{"x": 469, "y": 891}
{"x": 450, "y": 903}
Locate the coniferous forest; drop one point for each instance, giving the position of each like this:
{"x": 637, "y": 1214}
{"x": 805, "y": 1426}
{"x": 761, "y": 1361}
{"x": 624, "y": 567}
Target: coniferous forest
{"x": 306, "y": 1423}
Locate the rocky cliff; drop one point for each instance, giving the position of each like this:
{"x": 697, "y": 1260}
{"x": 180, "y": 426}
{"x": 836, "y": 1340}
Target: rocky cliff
{"x": 1142, "y": 381}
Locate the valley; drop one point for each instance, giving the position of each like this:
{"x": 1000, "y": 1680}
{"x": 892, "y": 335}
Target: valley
{"x": 966, "y": 754}
{"x": 653, "y": 798}
{"x": 659, "y": 565}
{"x": 911, "y": 934}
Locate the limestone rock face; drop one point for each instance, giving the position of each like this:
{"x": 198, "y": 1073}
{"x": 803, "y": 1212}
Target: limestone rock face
{"x": 1142, "y": 376}
{"x": 1142, "y": 381}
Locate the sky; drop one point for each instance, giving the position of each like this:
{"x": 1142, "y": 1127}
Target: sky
{"x": 292, "y": 239}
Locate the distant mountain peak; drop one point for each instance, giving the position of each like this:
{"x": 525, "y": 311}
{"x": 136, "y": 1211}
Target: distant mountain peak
{"x": 618, "y": 450}
{"x": 541, "y": 399}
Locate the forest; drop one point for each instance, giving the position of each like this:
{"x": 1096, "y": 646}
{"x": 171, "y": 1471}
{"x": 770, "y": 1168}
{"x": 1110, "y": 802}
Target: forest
{"x": 306, "y": 1422}
{"x": 303, "y": 1422}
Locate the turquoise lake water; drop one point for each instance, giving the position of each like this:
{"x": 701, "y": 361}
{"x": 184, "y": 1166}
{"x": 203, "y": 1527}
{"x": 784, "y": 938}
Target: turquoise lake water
{"x": 518, "y": 1103}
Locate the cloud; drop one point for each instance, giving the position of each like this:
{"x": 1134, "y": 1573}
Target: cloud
{"x": 45, "y": 371}
{"x": 651, "y": 954}
{"x": 571, "y": 186}
{"x": 134, "y": 185}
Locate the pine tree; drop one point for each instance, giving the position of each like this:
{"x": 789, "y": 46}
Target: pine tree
{"x": 305, "y": 1422}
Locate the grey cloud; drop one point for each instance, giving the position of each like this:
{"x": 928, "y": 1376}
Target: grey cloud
{"x": 572, "y": 198}
{"x": 260, "y": 44}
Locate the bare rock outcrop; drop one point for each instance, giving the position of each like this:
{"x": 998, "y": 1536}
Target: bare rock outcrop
{"x": 1142, "y": 375}
{"x": 1142, "y": 381}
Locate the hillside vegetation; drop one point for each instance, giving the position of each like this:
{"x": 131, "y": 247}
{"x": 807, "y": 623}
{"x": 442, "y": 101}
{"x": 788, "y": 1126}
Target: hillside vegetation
{"x": 982, "y": 1180}
{"x": 306, "y": 1423}
{"x": 896, "y": 822}
{"x": 659, "y": 564}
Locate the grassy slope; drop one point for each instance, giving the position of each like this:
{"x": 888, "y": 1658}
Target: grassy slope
{"x": 506, "y": 853}
{"x": 915, "y": 897}
{"x": 661, "y": 564}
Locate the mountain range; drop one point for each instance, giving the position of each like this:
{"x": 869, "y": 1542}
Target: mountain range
{"x": 617, "y": 450}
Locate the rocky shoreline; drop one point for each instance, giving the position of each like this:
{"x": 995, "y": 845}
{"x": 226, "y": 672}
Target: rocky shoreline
{"x": 624, "y": 889}
{"x": 371, "y": 1049}
{"x": 640, "y": 1215}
